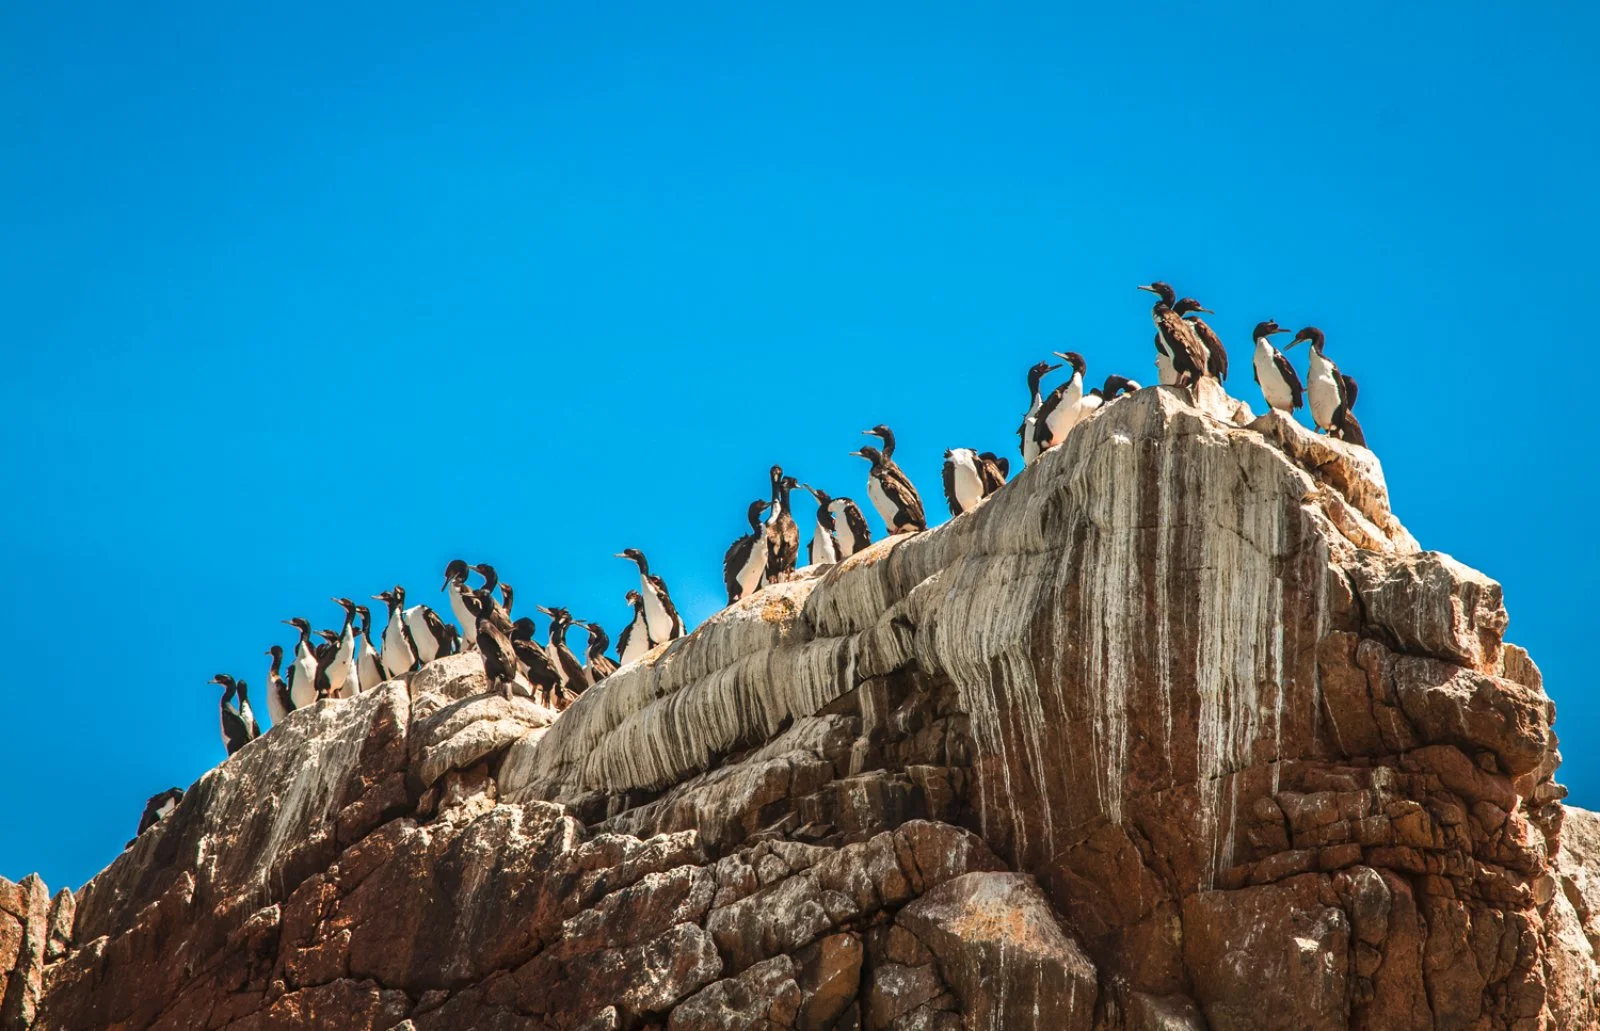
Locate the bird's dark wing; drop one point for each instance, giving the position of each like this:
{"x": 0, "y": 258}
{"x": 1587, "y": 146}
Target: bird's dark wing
{"x": 1349, "y": 390}
{"x": 994, "y": 471}
{"x": 1285, "y": 367}
{"x": 600, "y": 667}
{"x": 1041, "y": 421}
{"x": 234, "y": 729}
{"x": 732, "y": 562}
{"x": 783, "y": 547}
{"x": 949, "y": 478}
{"x": 897, "y": 487}
{"x": 1181, "y": 342}
{"x": 858, "y": 526}
{"x": 1217, "y": 358}
{"x": 436, "y": 629}
{"x": 1346, "y": 426}
{"x": 499, "y": 656}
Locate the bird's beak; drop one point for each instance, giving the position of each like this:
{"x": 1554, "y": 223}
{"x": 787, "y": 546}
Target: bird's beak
{"x": 1053, "y": 368}
{"x": 546, "y": 611}
{"x": 1296, "y": 342}
{"x": 1058, "y": 354}
{"x": 288, "y": 622}
{"x": 378, "y": 597}
{"x": 619, "y": 555}
{"x": 1149, "y": 289}
{"x": 445, "y": 584}
{"x": 868, "y": 433}
{"x": 1208, "y": 311}
{"x": 857, "y": 454}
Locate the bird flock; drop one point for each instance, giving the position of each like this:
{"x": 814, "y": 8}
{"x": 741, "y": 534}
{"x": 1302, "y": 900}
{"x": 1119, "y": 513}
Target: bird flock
{"x": 337, "y": 664}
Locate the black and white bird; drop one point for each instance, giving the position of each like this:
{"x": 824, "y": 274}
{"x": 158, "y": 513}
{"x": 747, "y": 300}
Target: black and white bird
{"x": 540, "y": 673}
{"x": 325, "y": 653}
{"x": 889, "y": 488}
{"x": 343, "y": 678}
{"x": 744, "y": 565}
{"x": 238, "y": 725}
{"x": 782, "y": 536}
{"x": 489, "y": 605}
{"x": 850, "y": 530}
{"x": 369, "y": 668}
{"x": 398, "y": 654}
{"x": 280, "y": 702}
{"x": 993, "y": 470}
{"x": 1324, "y": 383}
{"x": 1030, "y": 443}
{"x": 1216, "y": 354}
{"x": 455, "y": 585}
{"x": 824, "y": 547}
{"x": 661, "y": 617}
{"x": 1180, "y": 356}
{"x": 597, "y": 663}
{"x": 430, "y": 634}
{"x": 159, "y": 807}
{"x": 634, "y": 641}
{"x": 303, "y": 671}
{"x": 1345, "y": 426}
{"x": 1066, "y": 406}
{"x": 1279, "y": 383}
{"x": 574, "y": 679}
{"x": 1114, "y": 387}
{"x": 963, "y": 480}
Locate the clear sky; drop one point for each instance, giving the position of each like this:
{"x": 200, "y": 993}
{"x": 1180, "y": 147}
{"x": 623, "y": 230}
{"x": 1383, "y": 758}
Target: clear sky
{"x": 304, "y": 301}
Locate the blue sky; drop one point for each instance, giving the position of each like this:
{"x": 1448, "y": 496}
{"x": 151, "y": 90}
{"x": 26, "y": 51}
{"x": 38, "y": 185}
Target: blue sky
{"x": 304, "y": 302}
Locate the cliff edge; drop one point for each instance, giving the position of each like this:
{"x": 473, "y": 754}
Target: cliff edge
{"x": 1180, "y": 730}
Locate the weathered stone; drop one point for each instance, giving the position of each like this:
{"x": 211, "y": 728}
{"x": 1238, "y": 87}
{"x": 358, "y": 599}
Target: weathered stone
{"x": 1003, "y": 954}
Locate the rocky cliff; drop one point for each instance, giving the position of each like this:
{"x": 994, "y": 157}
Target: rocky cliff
{"x": 1180, "y": 730}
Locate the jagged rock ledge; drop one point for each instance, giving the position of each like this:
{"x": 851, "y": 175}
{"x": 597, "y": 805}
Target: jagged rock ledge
{"x": 1180, "y": 730}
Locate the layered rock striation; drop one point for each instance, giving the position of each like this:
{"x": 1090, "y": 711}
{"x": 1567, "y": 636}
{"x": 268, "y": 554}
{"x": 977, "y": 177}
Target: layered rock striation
{"x": 1180, "y": 730}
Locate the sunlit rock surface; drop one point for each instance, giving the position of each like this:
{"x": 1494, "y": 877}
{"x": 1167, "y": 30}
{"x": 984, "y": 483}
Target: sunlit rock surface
{"x": 1179, "y": 730}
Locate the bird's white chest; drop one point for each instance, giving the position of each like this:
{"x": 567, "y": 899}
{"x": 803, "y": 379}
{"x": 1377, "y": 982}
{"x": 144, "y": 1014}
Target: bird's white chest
{"x": 275, "y": 707}
{"x": 469, "y": 626}
{"x": 303, "y": 691}
{"x": 754, "y": 568}
{"x": 1273, "y": 388}
{"x": 427, "y": 646}
{"x": 1324, "y": 391}
{"x": 880, "y": 500}
{"x": 656, "y": 618}
{"x": 848, "y": 545}
{"x": 638, "y": 640}
{"x": 1166, "y": 375}
{"x": 965, "y": 483}
{"x": 823, "y": 549}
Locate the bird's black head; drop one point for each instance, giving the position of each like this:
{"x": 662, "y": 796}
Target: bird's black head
{"x": 821, "y": 496}
{"x": 1160, "y": 289}
{"x": 523, "y": 629}
{"x": 346, "y": 604}
{"x": 1003, "y": 464}
{"x": 1311, "y": 333}
{"x": 328, "y": 635}
{"x": 1038, "y": 372}
{"x": 633, "y": 598}
{"x": 455, "y": 572}
{"x": 223, "y": 680}
{"x": 490, "y": 577}
{"x": 276, "y": 651}
{"x": 1074, "y": 359}
{"x": 399, "y": 594}
{"x": 559, "y": 617}
{"x": 753, "y": 513}
{"x": 881, "y": 431}
{"x": 387, "y": 597}
{"x": 506, "y": 594}
{"x": 1115, "y": 385}
{"x": 1188, "y": 305}
{"x": 1266, "y": 329}
{"x": 302, "y": 625}
{"x": 635, "y": 556}
{"x": 775, "y": 474}
{"x": 366, "y": 616}
{"x": 870, "y": 453}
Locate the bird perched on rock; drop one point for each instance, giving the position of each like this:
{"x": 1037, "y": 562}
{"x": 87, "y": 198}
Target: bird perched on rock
{"x": 279, "y": 700}
{"x": 850, "y": 529}
{"x": 1181, "y": 357}
{"x": 661, "y": 617}
{"x": 993, "y": 470}
{"x": 500, "y": 665}
{"x": 304, "y": 670}
{"x": 1325, "y": 383}
{"x": 634, "y": 641}
{"x": 1279, "y": 383}
{"x": 1065, "y": 407}
{"x": 430, "y": 634}
{"x": 782, "y": 536}
{"x": 1027, "y": 431}
{"x": 824, "y": 546}
{"x": 455, "y": 587}
{"x": 326, "y": 652}
{"x": 963, "y": 480}
{"x": 574, "y": 680}
{"x": 598, "y": 664}
{"x": 489, "y": 606}
{"x": 159, "y": 807}
{"x": 238, "y": 724}
{"x": 537, "y": 667}
{"x": 343, "y": 677}
{"x": 744, "y": 565}
{"x": 890, "y": 489}
{"x": 369, "y": 670}
{"x": 1216, "y": 355}
{"x": 399, "y": 653}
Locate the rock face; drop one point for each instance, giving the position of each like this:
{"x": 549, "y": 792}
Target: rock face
{"x": 1180, "y": 730}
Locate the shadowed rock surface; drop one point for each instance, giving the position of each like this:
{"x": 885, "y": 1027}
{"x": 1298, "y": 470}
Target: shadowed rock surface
{"x": 1179, "y": 730}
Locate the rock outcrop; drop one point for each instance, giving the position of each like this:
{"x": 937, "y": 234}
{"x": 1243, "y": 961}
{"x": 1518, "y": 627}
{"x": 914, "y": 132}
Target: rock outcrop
{"x": 1180, "y": 730}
